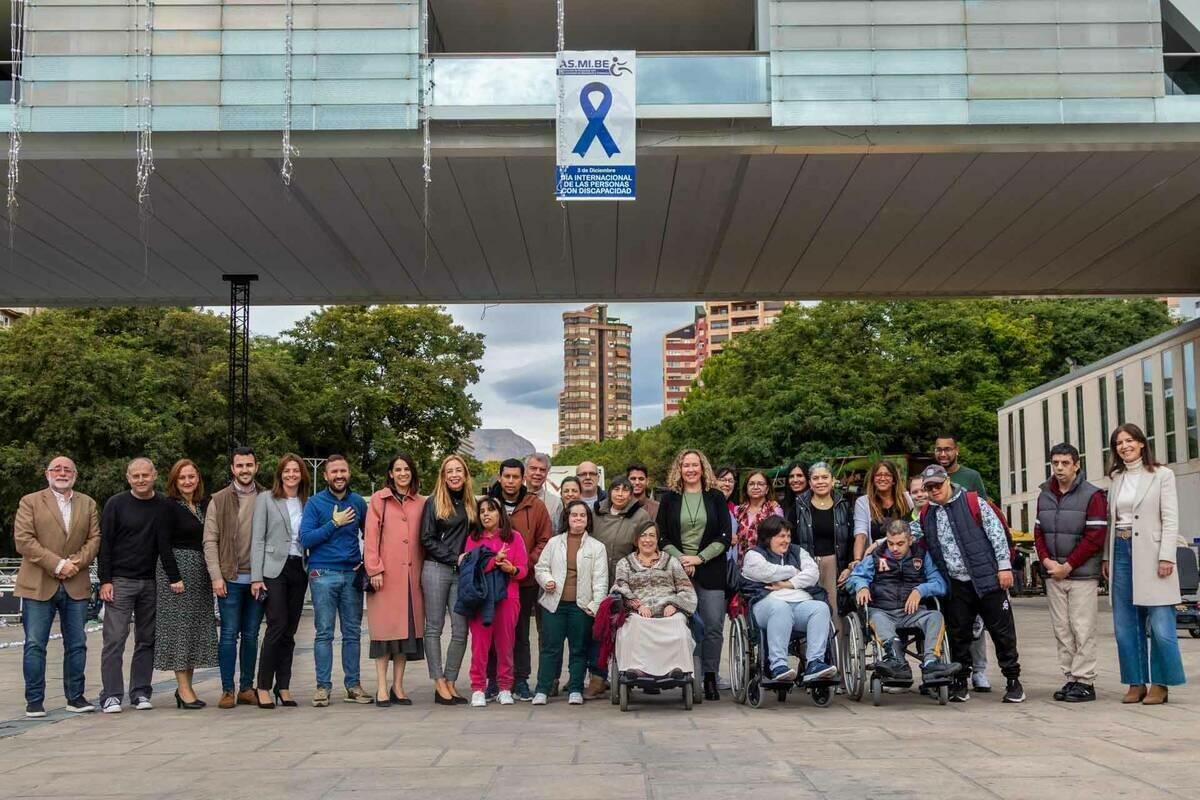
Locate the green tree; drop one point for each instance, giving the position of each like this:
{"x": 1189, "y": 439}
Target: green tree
{"x": 378, "y": 379}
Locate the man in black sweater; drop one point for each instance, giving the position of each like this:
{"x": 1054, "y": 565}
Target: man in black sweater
{"x": 128, "y": 554}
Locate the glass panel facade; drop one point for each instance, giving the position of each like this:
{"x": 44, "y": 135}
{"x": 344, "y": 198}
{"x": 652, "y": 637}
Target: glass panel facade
{"x": 1168, "y": 390}
{"x": 1046, "y": 435}
{"x": 1080, "y": 430}
{"x": 1021, "y": 434}
{"x": 1104, "y": 431}
{"x": 1066, "y": 417}
{"x": 1148, "y": 401}
{"x": 1012, "y": 461}
{"x": 1119, "y": 382}
{"x": 1189, "y": 399}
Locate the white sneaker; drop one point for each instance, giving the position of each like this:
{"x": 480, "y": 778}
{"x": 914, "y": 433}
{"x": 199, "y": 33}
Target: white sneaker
{"x": 112, "y": 705}
{"x": 478, "y": 700}
{"x": 142, "y": 703}
{"x": 539, "y": 699}
{"x": 506, "y": 698}
{"x": 575, "y": 699}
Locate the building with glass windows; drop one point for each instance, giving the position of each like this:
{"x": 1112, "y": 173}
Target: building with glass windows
{"x": 785, "y": 149}
{"x": 1152, "y": 384}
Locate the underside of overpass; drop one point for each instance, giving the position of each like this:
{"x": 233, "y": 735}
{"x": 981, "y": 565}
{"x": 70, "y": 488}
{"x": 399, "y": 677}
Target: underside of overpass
{"x": 723, "y": 211}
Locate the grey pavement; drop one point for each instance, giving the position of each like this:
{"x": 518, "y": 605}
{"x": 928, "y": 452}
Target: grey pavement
{"x": 908, "y": 747}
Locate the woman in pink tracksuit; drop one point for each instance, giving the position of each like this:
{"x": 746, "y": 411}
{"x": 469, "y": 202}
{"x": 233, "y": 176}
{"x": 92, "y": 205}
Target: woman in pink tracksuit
{"x": 499, "y": 537}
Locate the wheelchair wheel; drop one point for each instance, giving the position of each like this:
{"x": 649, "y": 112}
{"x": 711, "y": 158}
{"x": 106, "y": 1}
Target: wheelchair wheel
{"x": 688, "y": 690}
{"x": 697, "y": 681}
{"x": 624, "y": 696}
{"x": 822, "y": 696}
{"x": 754, "y": 693}
{"x": 1195, "y": 633}
{"x": 854, "y": 667}
{"x": 781, "y": 695}
{"x": 876, "y": 691}
{"x": 943, "y": 695}
{"x": 739, "y": 658}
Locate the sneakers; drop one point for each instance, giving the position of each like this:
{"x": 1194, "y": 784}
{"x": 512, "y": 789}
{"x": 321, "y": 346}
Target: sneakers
{"x": 80, "y": 705}
{"x": 575, "y": 699}
{"x": 142, "y": 703}
{"x": 894, "y": 670}
{"x": 783, "y": 674}
{"x": 356, "y": 694}
{"x": 320, "y": 697}
{"x": 938, "y": 670}
{"x": 539, "y": 699}
{"x": 1014, "y": 692}
{"x": 979, "y": 680}
{"x": 506, "y": 697}
{"x": 112, "y": 705}
{"x": 818, "y": 671}
{"x": 34, "y": 710}
{"x": 597, "y": 687}
{"x": 229, "y": 699}
{"x": 521, "y": 691}
{"x": 1081, "y": 693}
{"x": 960, "y": 692}
{"x": 478, "y": 700}
{"x": 1062, "y": 693}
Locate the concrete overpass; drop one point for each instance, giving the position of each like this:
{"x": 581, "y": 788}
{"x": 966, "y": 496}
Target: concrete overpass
{"x": 815, "y": 149}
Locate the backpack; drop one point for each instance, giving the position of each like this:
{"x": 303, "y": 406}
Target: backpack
{"x": 977, "y": 515}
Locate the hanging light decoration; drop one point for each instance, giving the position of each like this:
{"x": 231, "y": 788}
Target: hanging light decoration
{"x": 145, "y": 112}
{"x": 15, "y": 101}
{"x": 285, "y": 167}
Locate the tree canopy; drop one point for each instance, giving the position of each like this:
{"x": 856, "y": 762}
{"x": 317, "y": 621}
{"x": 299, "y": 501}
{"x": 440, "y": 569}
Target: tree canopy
{"x": 862, "y": 378}
{"x": 105, "y": 385}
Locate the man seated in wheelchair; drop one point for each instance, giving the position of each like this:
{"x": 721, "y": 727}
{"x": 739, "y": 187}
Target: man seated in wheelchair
{"x": 894, "y": 580}
{"x": 778, "y": 579}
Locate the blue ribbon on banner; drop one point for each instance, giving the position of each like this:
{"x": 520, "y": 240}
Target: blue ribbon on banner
{"x": 595, "y": 115}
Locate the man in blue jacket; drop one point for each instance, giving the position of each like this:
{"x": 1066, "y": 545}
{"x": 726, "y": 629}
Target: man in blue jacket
{"x": 329, "y": 531}
{"x": 894, "y": 582}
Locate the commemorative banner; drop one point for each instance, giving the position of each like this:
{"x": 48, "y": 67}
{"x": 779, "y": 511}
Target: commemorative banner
{"x": 597, "y": 125}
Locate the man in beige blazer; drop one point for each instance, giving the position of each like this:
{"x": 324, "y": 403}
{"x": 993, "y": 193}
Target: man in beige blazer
{"x": 57, "y": 533}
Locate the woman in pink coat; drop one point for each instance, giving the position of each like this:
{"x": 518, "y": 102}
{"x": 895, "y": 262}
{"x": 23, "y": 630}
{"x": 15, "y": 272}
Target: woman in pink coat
{"x": 393, "y": 558}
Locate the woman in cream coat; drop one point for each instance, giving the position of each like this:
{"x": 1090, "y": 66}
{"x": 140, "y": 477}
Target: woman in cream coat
{"x": 1140, "y": 566}
{"x": 571, "y": 595}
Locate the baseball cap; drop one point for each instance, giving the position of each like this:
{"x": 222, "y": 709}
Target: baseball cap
{"x": 934, "y": 473}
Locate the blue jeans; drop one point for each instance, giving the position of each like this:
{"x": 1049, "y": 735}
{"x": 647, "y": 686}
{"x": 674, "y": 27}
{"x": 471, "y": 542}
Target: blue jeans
{"x": 37, "y": 617}
{"x": 241, "y": 616}
{"x": 334, "y": 595}
{"x": 779, "y": 618}
{"x": 1162, "y": 664}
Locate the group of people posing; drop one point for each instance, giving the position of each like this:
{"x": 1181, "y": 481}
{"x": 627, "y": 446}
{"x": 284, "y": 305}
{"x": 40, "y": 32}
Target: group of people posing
{"x": 520, "y": 555}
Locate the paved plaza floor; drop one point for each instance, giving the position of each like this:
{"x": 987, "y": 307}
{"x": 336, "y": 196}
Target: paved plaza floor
{"x": 908, "y": 747}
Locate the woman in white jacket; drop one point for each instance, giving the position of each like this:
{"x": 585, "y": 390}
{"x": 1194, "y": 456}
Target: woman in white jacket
{"x": 573, "y": 574}
{"x": 776, "y": 577}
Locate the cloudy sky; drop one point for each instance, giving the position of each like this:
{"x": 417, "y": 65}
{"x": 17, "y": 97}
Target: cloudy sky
{"x": 523, "y": 361}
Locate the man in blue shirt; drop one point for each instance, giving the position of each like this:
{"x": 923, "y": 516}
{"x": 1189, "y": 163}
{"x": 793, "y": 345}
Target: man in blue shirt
{"x": 330, "y": 531}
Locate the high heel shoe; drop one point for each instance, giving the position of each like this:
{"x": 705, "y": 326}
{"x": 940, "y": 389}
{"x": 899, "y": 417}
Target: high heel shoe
{"x": 1156, "y": 696}
{"x": 260, "y": 703}
{"x": 285, "y": 703}
{"x": 397, "y": 700}
{"x": 192, "y": 706}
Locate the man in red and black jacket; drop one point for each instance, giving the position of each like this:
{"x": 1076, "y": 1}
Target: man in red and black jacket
{"x": 1069, "y": 534}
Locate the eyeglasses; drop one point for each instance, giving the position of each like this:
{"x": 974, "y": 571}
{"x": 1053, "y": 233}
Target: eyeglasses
{"x": 588, "y": 474}
{"x": 932, "y": 487}
{"x": 944, "y": 449}
{"x": 757, "y": 484}
{"x": 62, "y": 470}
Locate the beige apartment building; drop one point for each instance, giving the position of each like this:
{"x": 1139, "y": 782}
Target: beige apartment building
{"x": 596, "y": 402}
{"x": 10, "y": 315}
{"x": 714, "y": 325}
{"x": 1152, "y": 384}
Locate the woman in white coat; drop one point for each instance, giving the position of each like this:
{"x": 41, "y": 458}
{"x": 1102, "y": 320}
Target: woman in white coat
{"x": 1140, "y": 567}
{"x": 573, "y": 574}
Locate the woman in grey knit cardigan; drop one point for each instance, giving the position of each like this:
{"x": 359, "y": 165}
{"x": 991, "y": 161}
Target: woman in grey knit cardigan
{"x": 653, "y": 583}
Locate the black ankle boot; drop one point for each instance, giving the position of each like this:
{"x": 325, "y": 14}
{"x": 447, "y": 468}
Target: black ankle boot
{"x": 710, "y": 687}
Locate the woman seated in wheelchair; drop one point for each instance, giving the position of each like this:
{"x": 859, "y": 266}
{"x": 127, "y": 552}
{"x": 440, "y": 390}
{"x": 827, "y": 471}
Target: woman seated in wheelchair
{"x": 778, "y": 579}
{"x": 893, "y": 581}
{"x": 657, "y": 592}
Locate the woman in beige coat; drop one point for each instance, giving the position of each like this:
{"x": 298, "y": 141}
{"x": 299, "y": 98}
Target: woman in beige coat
{"x": 393, "y": 558}
{"x": 1140, "y": 567}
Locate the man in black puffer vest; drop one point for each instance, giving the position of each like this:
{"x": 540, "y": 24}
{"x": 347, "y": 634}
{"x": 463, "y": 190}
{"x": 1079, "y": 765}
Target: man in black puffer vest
{"x": 895, "y": 589}
{"x": 1071, "y": 527}
{"x": 970, "y": 546}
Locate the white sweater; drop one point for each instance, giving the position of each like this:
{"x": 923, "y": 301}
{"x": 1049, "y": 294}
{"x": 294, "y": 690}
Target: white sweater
{"x": 591, "y": 573}
{"x": 758, "y": 569}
